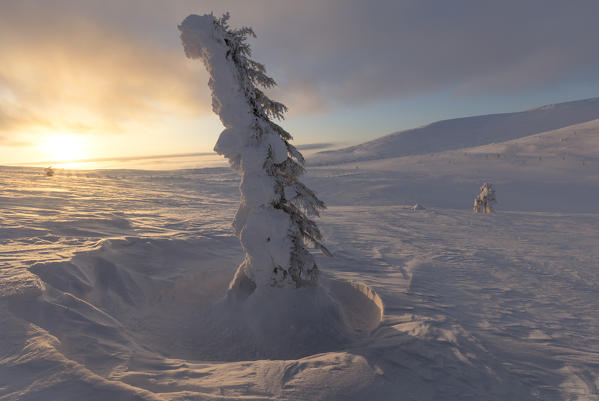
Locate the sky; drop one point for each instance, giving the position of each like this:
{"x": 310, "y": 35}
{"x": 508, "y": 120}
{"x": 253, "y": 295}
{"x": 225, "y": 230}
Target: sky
{"x": 108, "y": 80}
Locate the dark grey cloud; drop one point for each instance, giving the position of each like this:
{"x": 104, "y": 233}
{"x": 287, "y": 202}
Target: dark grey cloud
{"x": 355, "y": 51}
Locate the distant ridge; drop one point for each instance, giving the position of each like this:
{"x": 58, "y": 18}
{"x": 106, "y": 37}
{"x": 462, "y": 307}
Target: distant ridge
{"x": 465, "y": 132}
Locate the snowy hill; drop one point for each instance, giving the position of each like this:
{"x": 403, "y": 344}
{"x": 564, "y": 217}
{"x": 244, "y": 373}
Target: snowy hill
{"x": 580, "y": 142}
{"x": 465, "y": 132}
{"x": 554, "y": 171}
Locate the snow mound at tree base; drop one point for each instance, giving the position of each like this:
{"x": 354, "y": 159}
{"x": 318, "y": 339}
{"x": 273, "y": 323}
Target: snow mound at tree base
{"x": 123, "y": 299}
{"x": 279, "y": 323}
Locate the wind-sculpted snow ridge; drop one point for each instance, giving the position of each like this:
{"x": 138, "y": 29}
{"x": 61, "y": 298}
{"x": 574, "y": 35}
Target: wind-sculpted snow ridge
{"x": 182, "y": 312}
{"x": 117, "y": 324}
{"x": 117, "y": 313}
{"x": 18, "y": 284}
{"x": 465, "y": 133}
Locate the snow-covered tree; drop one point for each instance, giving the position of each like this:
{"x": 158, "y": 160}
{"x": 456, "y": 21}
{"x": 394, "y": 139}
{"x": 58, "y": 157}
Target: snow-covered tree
{"x": 274, "y": 221}
{"x": 483, "y": 203}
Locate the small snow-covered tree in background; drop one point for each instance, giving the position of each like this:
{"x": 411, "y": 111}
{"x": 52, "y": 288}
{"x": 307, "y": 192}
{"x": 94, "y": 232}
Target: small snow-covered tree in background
{"x": 274, "y": 217}
{"x": 483, "y": 203}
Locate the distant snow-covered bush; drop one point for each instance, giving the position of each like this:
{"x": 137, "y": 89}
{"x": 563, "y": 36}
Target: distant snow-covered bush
{"x": 483, "y": 203}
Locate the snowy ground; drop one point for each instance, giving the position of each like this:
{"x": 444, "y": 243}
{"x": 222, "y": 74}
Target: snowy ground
{"x": 499, "y": 307}
{"x": 111, "y": 282}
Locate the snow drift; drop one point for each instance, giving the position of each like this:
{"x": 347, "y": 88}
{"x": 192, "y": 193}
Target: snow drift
{"x": 183, "y": 312}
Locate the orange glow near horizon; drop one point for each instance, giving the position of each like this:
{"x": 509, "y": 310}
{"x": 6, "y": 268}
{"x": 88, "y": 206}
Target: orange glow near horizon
{"x": 80, "y": 92}
{"x": 64, "y": 147}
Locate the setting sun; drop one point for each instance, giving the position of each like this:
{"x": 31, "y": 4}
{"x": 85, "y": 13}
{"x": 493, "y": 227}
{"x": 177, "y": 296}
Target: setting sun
{"x": 63, "y": 148}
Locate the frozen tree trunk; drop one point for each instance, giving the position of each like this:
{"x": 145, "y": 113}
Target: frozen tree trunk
{"x": 273, "y": 221}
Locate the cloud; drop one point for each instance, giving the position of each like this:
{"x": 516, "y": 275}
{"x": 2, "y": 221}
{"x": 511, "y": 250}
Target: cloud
{"x": 105, "y": 64}
{"x": 67, "y": 70}
{"x": 354, "y": 52}
{"x": 5, "y": 141}
{"x": 6, "y": 121}
{"x": 11, "y": 119}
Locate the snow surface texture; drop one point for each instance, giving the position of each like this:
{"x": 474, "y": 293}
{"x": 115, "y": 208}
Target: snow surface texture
{"x": 111, "y": 283}
{"x": 96, "y": 302}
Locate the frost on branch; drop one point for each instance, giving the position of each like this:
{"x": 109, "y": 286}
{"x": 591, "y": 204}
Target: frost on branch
{"x": 274, "y": 218}
{"x": 483, "y": 203}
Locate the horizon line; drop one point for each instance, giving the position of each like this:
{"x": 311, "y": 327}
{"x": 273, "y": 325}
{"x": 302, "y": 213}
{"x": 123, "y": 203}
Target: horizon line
{"x": 308, "y": 146}
{"x": 112, "y": 158}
